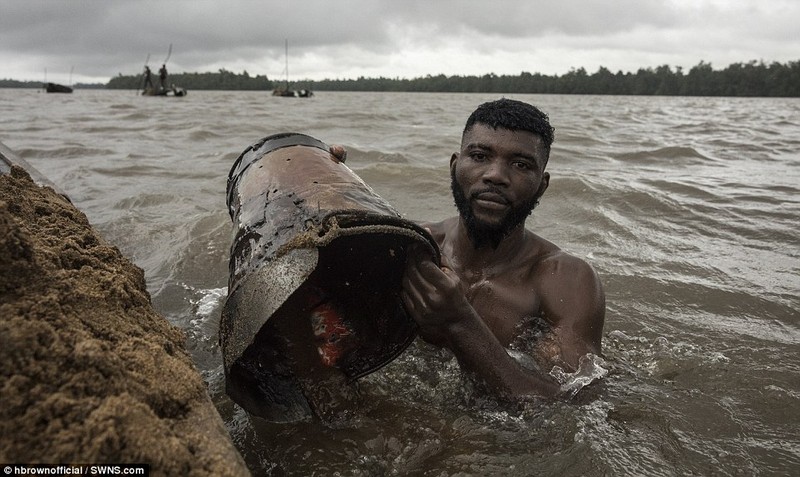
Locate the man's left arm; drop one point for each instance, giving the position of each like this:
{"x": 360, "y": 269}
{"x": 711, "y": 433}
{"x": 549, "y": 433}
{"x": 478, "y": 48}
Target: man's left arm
{"x": 573, "y": 302}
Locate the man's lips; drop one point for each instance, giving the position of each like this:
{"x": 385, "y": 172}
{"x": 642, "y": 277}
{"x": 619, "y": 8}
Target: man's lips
{"x": 490, "y": 196}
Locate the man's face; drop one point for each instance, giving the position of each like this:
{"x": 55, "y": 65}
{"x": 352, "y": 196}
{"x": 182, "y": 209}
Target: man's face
{"x": 497, "y": 180}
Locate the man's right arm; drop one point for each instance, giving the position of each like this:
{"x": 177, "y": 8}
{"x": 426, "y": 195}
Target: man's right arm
{"x": 435, "y": 299}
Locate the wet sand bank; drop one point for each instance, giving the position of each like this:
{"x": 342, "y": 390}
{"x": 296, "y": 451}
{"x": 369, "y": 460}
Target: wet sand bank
{"x": 90, "y": 372}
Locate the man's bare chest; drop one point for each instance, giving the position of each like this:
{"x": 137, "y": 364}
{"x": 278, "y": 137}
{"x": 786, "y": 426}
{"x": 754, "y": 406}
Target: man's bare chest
{"x": 503, "y": 304}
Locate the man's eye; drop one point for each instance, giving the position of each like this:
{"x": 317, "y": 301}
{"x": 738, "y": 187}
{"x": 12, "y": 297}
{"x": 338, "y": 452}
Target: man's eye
{"x": 478, "y": 156}
{"x": 522, "y": 165}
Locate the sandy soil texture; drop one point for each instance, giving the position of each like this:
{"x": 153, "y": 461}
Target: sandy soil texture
{"x": 89, "y": 372}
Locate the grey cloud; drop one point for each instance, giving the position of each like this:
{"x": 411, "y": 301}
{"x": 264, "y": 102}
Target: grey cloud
{"x": 103, "y": 38}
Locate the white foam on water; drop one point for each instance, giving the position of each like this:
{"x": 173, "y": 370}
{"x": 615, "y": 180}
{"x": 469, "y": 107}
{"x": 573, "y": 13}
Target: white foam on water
{"x": 202, "y": 325}
{"x": 209, "y": 301}
{"x": 207, "y": 304}
{"x": 590, "y": 368}
{"x": 659, "y": 354}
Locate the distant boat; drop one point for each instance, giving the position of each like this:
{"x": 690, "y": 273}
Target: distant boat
{"x": 292, "y": 93}
{"x": 57, "y": 88}
{"x": 285, "y": 92}
{"x": 172, "y": 91}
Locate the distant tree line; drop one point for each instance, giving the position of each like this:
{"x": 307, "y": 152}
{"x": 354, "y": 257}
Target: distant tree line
{"x": 10, "y": 83}
{"x": 221, "y": 80}
{"x": 739, "y": 79}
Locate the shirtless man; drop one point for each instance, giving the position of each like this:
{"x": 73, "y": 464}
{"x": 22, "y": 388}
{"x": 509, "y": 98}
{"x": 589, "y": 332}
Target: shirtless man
{"x": 498, "y": 280}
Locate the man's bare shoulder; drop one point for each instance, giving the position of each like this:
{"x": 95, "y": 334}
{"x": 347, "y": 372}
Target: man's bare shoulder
{"x": 549, "y": 259}
{"x": 572, "y": 300}
{"x": 439, "y": 230}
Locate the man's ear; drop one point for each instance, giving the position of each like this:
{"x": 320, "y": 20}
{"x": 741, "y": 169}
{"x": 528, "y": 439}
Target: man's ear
{"x": 453, "y": 160}
{"x": 543, "y": 185}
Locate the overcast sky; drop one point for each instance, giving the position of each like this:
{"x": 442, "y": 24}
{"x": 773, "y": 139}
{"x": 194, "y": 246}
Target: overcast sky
{"x": 99, "y": 39}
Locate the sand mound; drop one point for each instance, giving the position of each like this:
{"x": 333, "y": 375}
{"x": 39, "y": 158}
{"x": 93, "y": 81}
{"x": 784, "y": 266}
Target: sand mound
{"x": 90, "y": 372}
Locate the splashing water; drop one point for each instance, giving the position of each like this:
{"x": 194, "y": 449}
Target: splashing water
{"x": 208, "y": 302}
{"x": 590, "y": 368}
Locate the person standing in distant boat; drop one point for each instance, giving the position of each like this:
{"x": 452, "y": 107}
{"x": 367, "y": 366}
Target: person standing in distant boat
{"x": 148, "y": 78}
{"x": 501, "y": 286}
{"x": 162, "y": 75}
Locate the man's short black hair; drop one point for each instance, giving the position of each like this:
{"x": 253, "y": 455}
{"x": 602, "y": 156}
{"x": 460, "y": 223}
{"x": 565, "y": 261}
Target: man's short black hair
{"x": 515, "y": 116}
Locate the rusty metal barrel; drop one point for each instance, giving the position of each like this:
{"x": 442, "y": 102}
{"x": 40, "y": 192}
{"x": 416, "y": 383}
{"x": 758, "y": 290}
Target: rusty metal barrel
{"x": 316, "y": 265}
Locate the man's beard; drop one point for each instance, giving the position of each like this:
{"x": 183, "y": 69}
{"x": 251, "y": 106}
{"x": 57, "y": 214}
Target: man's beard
{"x": 481, "y": 233}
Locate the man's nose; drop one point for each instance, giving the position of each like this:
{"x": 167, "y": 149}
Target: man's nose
{"x": 495, "y": 172}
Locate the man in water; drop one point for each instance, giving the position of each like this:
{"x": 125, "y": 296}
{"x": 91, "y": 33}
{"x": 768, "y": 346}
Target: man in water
{"x": 500, "y": 284}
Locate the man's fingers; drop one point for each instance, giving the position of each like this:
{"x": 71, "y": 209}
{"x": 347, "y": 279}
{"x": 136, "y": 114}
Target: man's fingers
{"x": 413, "y": 299}
{"x": 417, "y": 280}
{"x": 339, "y": 152}
{"x": 445, "y": 261}
{"x": 437, "y": 278}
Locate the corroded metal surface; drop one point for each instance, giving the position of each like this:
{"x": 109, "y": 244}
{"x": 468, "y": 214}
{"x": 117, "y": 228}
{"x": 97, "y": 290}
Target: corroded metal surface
{"x": 315, "y": 269}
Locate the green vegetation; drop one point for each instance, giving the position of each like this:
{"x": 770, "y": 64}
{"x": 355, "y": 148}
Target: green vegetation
{"x": 222, "y": 80}
{"x": 739, "y": 79}
{"x": 9, "y": 83}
